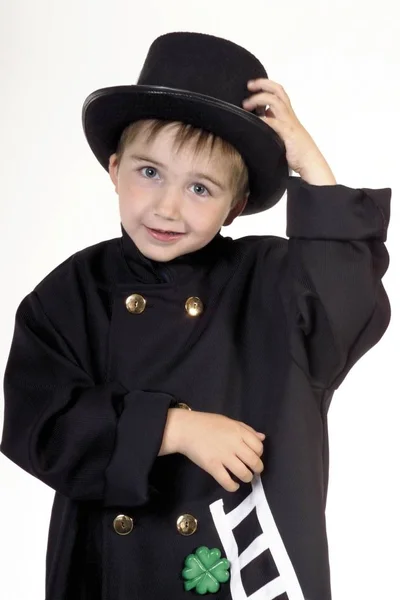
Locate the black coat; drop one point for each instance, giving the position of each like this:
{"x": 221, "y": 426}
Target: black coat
{"x": 88, "y": 385}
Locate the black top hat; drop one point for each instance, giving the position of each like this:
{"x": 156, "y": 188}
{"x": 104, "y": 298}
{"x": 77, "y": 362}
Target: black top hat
{"x": 202, "y": 80}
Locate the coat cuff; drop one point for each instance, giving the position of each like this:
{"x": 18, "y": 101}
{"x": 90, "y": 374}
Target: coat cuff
{"x": 336, "y": 212}
{"x": 138, "y": 440}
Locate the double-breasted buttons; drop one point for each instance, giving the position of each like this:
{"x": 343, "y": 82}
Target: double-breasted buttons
{"x": 135, "y": 303}
{"x": 183, "y": 405}
{"x": 123, "y": 524}
{"x": 194, "y": 306}
{"x": 186, "y": 524}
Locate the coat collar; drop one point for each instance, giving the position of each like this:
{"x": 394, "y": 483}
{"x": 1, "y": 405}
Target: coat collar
{"x": 152, "y": 271}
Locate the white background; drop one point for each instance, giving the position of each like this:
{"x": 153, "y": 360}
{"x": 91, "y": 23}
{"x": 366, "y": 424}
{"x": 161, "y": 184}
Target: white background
{"x": 337, "y": 61}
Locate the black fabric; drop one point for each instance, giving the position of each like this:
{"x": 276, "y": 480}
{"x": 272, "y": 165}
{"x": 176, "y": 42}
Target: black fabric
{"x": 88, "y": 385}
{"x": 359, "y": 214}
{"x": 84, "y": 577}
{"x": 75, "y": 426}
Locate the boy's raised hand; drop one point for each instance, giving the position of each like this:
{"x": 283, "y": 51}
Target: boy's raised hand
{"x": 215, "y": 443}
{"x": 302, "y": 153}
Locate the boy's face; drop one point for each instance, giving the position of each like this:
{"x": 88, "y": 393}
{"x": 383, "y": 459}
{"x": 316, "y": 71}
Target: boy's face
{"x": 160, "y": 189}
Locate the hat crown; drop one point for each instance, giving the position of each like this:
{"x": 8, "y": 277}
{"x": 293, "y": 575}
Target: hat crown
{"x": 201, "y": 63}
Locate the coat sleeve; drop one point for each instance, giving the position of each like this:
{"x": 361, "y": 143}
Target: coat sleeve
{"x": 86, "y": 441}
{"x": 336, "y": 304}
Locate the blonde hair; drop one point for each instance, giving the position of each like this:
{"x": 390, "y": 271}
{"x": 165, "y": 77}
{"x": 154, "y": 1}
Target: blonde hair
{"x": 186, "y": 134}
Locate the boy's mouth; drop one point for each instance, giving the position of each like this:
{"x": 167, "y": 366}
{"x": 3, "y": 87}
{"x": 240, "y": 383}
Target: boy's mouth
{"x": 167, "y": 231}
{"x": 163, "y": 235}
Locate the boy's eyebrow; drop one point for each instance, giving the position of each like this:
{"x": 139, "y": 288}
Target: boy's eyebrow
{"x": 143, "y": 158}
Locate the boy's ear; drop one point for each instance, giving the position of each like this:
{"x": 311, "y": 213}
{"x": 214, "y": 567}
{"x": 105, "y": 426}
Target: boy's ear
{"x": 236, "y": 211}
{"x": 113, "y": 170}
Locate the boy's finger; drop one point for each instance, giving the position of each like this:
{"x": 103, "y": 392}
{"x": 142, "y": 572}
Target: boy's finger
{"x": 259, "y": 433}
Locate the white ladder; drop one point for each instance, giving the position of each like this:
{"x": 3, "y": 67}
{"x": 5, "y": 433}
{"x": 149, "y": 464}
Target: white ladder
{"x": 269, "y": 539}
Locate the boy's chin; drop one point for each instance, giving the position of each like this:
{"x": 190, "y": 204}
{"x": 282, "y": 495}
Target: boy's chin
{"x": 161, "y": 254}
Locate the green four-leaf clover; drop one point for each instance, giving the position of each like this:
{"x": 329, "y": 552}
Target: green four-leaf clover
{"x": 205, "y": 570}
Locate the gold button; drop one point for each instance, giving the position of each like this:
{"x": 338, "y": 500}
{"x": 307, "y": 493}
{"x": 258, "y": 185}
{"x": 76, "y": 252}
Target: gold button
{"x": 135, "y": 303}
{"x": 186, "y": 524}
{"x": 183, "y": 405}
{"x": 194, "y": 306}
{"x": 123, "y": 524}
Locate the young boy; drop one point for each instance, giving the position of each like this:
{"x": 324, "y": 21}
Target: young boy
{"x": 172, "y": 385}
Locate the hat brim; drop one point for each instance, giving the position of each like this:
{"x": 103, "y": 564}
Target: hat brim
{"x": 106, "y": 113}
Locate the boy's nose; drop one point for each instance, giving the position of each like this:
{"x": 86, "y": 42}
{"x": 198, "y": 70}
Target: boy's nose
{"x": 167, "y": 205}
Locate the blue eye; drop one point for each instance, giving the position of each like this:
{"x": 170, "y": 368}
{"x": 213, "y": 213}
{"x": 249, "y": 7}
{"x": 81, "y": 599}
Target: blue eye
{"x": 148, "y": 169}
{"x": 198, "y": 185}
{"x": 151, "y": 172}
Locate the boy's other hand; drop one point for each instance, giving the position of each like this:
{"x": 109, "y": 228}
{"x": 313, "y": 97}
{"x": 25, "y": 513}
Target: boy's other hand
{"x": 215, "y": 443}
{"x": 302, "y": 153}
